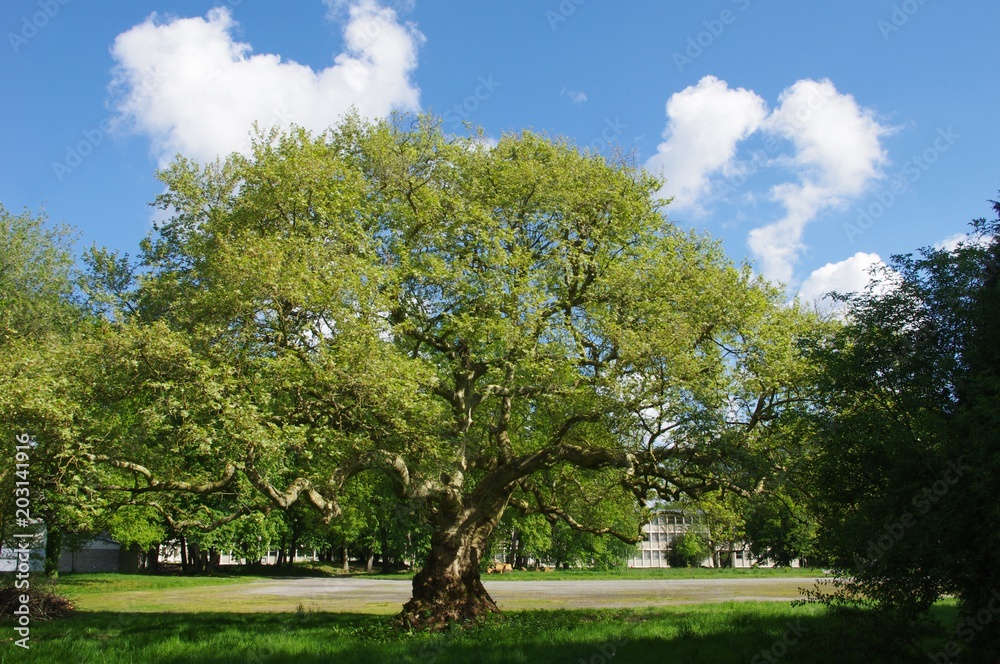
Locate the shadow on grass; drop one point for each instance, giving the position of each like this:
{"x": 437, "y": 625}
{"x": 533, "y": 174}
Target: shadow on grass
{"x": 700, "y": 634}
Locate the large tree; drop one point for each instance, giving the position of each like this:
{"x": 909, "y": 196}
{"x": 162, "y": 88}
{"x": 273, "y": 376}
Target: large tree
{"x": 492, "y": 326}
{"x": 908, "y": 454}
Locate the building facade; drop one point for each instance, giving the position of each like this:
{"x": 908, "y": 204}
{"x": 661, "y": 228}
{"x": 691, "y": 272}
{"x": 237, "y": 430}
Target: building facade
{"x": 665, "y": 527}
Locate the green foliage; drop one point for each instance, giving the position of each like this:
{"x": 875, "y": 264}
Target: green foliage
{"x": 136, "y": 525}
{"x": 779, "y": 530}
{"x": 906, "y": 474}
{"x": 36, "y": 277}
{"x": 689, "y": 549}
{"x": 412, "y": 332}
{"x": 39, "y": 313}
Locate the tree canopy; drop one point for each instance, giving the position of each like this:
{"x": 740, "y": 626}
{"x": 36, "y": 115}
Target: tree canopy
{"x": 489, "y": 327}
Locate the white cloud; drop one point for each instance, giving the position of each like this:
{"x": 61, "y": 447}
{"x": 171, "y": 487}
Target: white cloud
{"x": 189, "y": 86}
{"x": 848, "y": 276}
{"x": 835, "y": 153}
{"x": 838, "y": 154}
{"x": 575, "y": 96}
{"x": 953, "y": 242}
{"x": 705, "y": 123}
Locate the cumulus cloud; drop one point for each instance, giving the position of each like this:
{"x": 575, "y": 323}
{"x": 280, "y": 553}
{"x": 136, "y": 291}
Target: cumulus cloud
{"x": 828, "y": 141}
{"x": 193, "y": 89}
{"x": 848, "y": 276}
{"x": 705, "y": 122}
{"x": 838, "y": 154}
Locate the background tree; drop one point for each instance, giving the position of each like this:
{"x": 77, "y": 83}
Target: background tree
{"x": 689, "y": 549}
{"x": 908, "y": 445}
{"x": 779, "y": 530}
{"x": 721, "y": 515}
{"x": 39, "y": 311}
{"x": 37, "y": 278}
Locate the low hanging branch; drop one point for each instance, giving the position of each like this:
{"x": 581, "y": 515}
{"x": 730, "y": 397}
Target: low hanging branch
{"x": 155, "y": 485}
{"x": 329, "y": 509}
{"x": 554, "y": 514}
{"x": 368, "y": 460}
{"x": 178, "y": 526}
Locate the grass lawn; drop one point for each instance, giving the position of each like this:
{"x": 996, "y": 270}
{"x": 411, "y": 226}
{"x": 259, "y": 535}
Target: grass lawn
{"x": 76, "y": 585}
{"x": 689, "y": 634}
{"x": 694, "y": 634}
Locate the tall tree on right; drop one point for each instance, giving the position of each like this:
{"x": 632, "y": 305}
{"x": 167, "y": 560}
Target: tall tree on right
{"x": 908, "y": 447}
{"x": 977, "y": 540}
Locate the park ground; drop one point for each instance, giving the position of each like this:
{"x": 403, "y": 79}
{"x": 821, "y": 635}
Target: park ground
{"x": 638, "y": 616}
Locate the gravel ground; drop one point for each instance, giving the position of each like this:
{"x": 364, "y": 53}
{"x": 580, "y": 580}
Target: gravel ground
{"x": 385, "y": 596}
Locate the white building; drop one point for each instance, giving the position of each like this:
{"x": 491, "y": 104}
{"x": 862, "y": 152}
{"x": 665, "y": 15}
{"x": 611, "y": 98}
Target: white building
{"x": 98, "y": 555}
{"x": 665, "y": 527}
{"x": 659, "y": 534}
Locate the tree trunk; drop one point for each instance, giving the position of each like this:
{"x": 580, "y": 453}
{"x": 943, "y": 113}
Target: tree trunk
{"x": 293, "y": 545}
{"x": 194, "y": 557}
{"x": 371, "y": 561}
{"x": 53, "y": 549}
{"x": 153, "y": 559}
{"x": 346, "y": 558}
{"x": 212, "y": 563}
{"x": 448, "y": 588}
{"x": 128, "y": 559}
{"x": 184, "y": 555}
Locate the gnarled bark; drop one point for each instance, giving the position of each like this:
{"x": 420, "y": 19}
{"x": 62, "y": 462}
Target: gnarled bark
{"x": 448, "y": 589}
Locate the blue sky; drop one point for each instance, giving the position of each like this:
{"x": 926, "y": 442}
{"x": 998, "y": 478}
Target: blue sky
{"x": 812, "y": 138}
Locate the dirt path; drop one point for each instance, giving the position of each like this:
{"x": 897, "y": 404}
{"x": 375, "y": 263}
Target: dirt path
{"x": 386, "y": 596}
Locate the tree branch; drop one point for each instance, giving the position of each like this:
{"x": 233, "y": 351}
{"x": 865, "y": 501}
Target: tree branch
{"x": 155, "y": 485}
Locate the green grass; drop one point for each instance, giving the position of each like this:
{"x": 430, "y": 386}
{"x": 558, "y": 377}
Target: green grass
{"x": 77, "y": 585}
{"x": 702, "y": 634}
